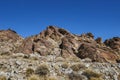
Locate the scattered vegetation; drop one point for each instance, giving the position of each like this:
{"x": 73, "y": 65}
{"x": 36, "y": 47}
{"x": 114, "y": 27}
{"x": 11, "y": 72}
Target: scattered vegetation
{"x": 29, "y": 72}
{"x": 74, "y": 59}
{"x": 60, "y": 59}
{"x": 42, "y": 70}
{"x": 3, "y": 78}
{"x": 33, "y": 77}
{"x": 77, "y": 67}
{"x": 43, "y": 78}
{"x": 5, "y": 54}
{"x": 76, "y": 76}
{"x": 52, "y": 78}
{"x": 92, "y": 75}
{"x": 65, "y": 65}
{"x": 34, "y": 58}
{"x": 93, "y": 78}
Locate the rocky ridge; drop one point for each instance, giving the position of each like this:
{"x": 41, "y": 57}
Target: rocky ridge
{"x": 68, "y": 56}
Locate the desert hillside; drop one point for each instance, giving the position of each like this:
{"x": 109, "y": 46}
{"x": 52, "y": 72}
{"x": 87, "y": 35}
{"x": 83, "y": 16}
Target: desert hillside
{"x": 57, "y": 54}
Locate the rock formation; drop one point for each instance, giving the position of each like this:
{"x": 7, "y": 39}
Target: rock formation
{"x": 9, "y": 41}
{"x": 54, "y": 45}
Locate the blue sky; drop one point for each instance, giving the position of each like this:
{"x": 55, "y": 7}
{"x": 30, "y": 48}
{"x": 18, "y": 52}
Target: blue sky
{"x": 29, "y": 17}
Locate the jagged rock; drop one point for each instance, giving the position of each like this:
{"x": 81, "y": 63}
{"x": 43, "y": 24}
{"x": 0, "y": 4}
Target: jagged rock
{"x": 113, "y": 43}
{"x": 54, "y": 47}
{"x": 26, "y": 46}
{"x": 87, "y": 50}
{"x": 99, "y": 40}
{"x": 9, "y": 41}
{"x": 68, "y": 45}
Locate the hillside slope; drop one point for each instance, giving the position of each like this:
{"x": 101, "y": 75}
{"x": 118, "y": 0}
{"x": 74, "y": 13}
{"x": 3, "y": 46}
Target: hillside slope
{"x": 57, "y": 54}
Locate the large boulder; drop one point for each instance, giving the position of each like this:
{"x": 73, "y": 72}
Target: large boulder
{"x": 96, "y": 54}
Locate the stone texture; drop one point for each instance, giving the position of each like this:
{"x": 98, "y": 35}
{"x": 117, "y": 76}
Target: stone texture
{"x": 54, "y": 47}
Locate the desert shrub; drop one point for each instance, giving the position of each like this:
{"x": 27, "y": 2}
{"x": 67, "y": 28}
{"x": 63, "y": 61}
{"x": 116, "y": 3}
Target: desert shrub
{"x": 56, "y": 67}
{"x": 34, "y": 58}
{"x": 52, "y": 78}
{"x": 76, "y": 76}
{"x": 42, "y": 70}
{"x": 33, "y": 77}
{"x": 93, "y": 78}
{"x": 60, "y": 59}
{"x": 5, "y": 53}
{"x": 74, "y": 59}
{"x": 77, "y": 67}
{"x": 26, "y": 56}
{"x": 91, "y": 74}
{"x": 43, "y": 78}
{"x": 29, "y": 72}
{"x": 65, "y": 65}
{"x": 3, "y": 78}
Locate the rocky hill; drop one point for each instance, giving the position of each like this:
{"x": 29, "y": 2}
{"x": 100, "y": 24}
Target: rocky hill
{"x": 56, "y": 54}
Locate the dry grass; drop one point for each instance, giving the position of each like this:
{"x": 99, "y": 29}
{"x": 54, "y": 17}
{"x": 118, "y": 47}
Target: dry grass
{"x": 42, "y": 70}
{"x": 52, "y": 78}
{"x": 29, "y": 72}
{"x": 92, "y": 75}
{"x": 65, "y": 65}
{"x": 93, "y": 78}
{"x": 3, "y": 78}
{"x": 34, "y": 58}
{"x": 73, "y": 59}
{"x": 76, "y": 76}
{"x": 59, "y": 59}
{"x": 33, "y": 77}
{"x": 77, "y": 67}
{"x": 36, "y": 77}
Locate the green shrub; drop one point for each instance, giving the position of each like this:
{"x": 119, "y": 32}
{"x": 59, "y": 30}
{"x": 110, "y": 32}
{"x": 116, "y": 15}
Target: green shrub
{"x": 42, "y": 70}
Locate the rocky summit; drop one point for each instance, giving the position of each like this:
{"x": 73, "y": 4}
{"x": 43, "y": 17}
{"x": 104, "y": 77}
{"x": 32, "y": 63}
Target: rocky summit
{"x": 57, "y": 54}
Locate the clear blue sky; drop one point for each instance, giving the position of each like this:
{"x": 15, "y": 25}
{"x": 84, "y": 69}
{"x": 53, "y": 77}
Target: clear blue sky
{"x": 27, "y": 17}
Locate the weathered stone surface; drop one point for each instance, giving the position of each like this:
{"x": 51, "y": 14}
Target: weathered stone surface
{"x": 55, "y": 47}
{"x": 86, "y": 50}
{"x": 114, "y": 43}
{"x": 9, "y": 41}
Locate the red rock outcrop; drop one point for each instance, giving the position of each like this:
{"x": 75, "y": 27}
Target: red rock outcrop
{"x": 113, "y": 43}
{"x": 59, "y": 42}
{"x": 9, "y": 41}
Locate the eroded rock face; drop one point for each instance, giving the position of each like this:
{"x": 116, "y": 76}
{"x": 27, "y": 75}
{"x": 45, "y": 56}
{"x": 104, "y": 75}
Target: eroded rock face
{"x": 47, "y": 41}
{"x": 114, "y": 43}
{"x": 62, "y": 51}
{"x": 59, "y": 42}
{"x": 96, "y": 52}
{"x": 9, "y": 41}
